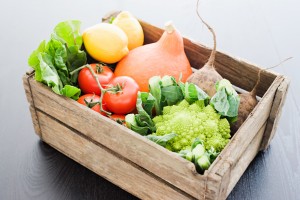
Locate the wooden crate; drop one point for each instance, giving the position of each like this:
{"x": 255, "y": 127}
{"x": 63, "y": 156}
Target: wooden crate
{"x": 142, "y": 167}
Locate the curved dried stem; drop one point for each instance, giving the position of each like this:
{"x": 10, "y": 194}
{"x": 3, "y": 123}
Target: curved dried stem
{"x": 211, "y": 59}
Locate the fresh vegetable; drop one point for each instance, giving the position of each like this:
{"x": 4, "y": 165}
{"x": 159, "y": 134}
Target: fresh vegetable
{"x": 164, "y": 57}
{"x": 118, "y": 118}
{"x": 198, "y": 154}
{"x": 105, "y": 42}
{"x": 87, "y": 82}
{"x": 92, "y": 101}
{"x": 54, "y": 60}
{"x": 226, "y": 101}
{"x": 192, "y": 121}
{"x": 207, "y": 76}
{"x": 131, "y": 26}
{"x": 163, "y": 92}
{"x": 122, "y": 99}
{"x": 161, "y": 140}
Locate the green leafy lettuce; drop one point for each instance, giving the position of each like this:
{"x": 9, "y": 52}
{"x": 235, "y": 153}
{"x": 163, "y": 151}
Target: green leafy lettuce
{"x": 54, "y": 60}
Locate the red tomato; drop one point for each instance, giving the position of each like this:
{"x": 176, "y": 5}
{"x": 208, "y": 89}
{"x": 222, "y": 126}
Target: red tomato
{"x": 118, "y": 118}
{"x": 123, "y": 101}
{"x": 90, "y": 99}
{"x": 87, "y": 82}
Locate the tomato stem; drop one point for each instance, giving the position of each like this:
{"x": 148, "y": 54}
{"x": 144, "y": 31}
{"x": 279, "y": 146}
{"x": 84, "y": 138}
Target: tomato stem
{"x": 103, "y": 91}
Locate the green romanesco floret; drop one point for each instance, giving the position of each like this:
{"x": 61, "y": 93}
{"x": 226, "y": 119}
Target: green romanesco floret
{"x": 192, "y": 121}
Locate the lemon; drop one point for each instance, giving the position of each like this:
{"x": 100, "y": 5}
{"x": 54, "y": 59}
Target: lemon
{"x": 131, "y": 26}
{"x": 105, "y": 42}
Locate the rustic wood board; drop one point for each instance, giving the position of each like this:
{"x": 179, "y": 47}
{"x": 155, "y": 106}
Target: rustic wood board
{"x": 123, "y": 141}
{"x": 105, "y": 162}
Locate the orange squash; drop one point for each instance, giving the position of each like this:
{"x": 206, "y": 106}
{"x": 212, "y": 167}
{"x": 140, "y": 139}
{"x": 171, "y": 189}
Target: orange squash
{"x": 164, "y": 57}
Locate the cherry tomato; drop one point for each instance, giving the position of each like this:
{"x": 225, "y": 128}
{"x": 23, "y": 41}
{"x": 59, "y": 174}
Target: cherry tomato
{"x": 118, "y": 118}
{"x": 87, "y": 82}
{"x": 124, "y": 100}
{"x": 91, "y": 101}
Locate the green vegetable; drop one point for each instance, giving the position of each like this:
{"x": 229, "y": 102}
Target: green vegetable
{"x": 161, "y": 140}
{"x": 142, "y": 122}
{"x": 202, "y": 163}
{"x": 226, "y": 100}
{"x": 199, "y": 156}
{"x": 192, "y": 121}
{"x": 54, "y": 60}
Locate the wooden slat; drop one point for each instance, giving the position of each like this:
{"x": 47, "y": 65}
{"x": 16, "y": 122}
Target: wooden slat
{"x": 105, "y": 163}
{"x": 275, "y": 113}
{"x": 120, "y": 139}
{"x": 245, "y": 159}
{"x": 239, "y": 72}
{"x": 28, "y": 93}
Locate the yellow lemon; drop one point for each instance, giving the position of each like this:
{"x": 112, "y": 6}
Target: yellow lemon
{"x": 105, "y": 42}
{"x": 131, "y": 26}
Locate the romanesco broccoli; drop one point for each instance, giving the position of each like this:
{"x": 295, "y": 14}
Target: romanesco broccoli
{"x": 192, "y": 121}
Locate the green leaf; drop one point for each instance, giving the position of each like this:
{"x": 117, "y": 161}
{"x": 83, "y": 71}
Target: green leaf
{"x": 155, "y": 90}
{"x": 226, "y": 100}
{"x": 148, "y": 102}
{"x": 71, "y": 92}
{"x": 143, "y": 119}
{"x": 75, "y": 59}
{"x": 193, "y": 93}
{"x": 48, "y": 72}
{"x": 68, "y": 32}
{"x": 220, "y": 102}
{"x": 171, "y": 95}
{"x": 131, "y": 123}
{"x": 34, "y": 62}
{"x": 161, "y": 140}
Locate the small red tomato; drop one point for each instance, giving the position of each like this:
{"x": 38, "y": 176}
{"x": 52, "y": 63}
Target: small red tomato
{"x": 87, "y": 82}
{"x": 92, "y": 101}
{"x": 118, "y": 118}
{"x": 123, "y": 100}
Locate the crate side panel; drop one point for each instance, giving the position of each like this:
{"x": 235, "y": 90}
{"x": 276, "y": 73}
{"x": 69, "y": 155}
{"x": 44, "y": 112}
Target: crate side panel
{"x": 104, "y": 163}
{"x": 275, "y": 114}
{"x": 123, "y": 141}
{"x": 246, "y": 158}
{"x": 28, "y": 93}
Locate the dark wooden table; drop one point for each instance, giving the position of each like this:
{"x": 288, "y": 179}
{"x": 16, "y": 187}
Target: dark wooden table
{"x": 263, "y": 32}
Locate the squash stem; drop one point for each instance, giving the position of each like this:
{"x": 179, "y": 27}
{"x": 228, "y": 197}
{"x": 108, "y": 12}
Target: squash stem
{"x": 169, "y": 27}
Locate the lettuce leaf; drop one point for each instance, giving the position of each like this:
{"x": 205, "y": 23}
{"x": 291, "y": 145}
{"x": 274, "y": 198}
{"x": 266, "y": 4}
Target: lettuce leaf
{"x": 54, "y": 60}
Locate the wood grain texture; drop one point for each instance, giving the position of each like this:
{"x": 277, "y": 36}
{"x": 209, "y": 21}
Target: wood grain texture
{"x": 275, "y": 113}
{"x": 121, "y": 140}
{"x": 28, "y": 93}
{"x": 106, "y": 163}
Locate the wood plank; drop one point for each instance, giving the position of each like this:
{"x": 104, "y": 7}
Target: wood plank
{"x": 239, "y": 72}
{"x": 275, "y": 113}
{"x": 105, "y": 163}
{"x": 245, "y": 159}
{"x": 150, "y": 156}
{"x": 28, "y": 93}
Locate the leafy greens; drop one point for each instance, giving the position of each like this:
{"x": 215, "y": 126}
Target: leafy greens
{"x": 54, "y": 60}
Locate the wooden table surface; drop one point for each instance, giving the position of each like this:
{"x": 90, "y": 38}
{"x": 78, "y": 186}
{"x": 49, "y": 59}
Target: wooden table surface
{"x": 262, "y": 32}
